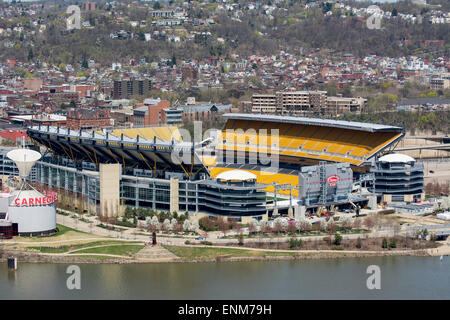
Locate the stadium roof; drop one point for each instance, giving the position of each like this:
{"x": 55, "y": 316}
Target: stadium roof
{"x": 352, "y": 125}
{"x": 236, "y": 175}
{"x": 396, "y": 157}
{"x": 125, "y": 146}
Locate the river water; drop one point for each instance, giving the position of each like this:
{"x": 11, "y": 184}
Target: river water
{"x": 401, "y": 278}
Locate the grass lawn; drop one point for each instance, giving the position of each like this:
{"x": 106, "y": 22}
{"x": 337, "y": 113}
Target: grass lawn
{"x": 63, "y": 229}
{"x": 64, "y": 233}
{"x": 66, "y": 248}
{"x": 201, "y": 252}
{"x": 119, "y": 250}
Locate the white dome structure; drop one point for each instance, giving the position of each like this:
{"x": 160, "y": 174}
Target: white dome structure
{"x": 236, "y": 175}
{"x": 396, "y": 158}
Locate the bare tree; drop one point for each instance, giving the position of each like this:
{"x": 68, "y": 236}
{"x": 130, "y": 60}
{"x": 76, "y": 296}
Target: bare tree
{"x": 356, "y": 223}
{"x": 251, "y": 227}
{"x": 331, "y": 226}
{"x": 369, "y": 222}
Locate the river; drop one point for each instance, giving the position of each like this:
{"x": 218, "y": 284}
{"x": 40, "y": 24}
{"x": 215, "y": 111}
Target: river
{"x": 401, "y": 278}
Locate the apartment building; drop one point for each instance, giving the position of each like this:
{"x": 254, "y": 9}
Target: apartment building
{"x": 289, "y": 102}
{"x": 439, "y": 84}
{"x": 264, "y": 103}
{"x": 340, "y": 105}
{"x": 130, "y": 87}
{"x": 301, "y": 103}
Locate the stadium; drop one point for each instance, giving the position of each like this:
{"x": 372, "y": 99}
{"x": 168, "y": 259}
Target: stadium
{"x": 256, "y": 166}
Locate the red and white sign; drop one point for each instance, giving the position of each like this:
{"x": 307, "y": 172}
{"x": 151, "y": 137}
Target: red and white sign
{"x": 333, "y": 180}
{"x": 37, "y": 201}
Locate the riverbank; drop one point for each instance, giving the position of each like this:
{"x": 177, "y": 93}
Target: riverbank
{"x": 202, "y": 254}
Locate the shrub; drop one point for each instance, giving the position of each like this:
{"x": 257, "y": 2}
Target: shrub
{"x": 337, "y": 239}
{"x": 358, "y": 243}
{"x": 393, "y": 244}
{"x": 295, "y": 243}
{"x": 207, "y": 224}
{"x": 384, "y": 244}
{"x": 208, "y": 243}
{"x": 187, "y": 242}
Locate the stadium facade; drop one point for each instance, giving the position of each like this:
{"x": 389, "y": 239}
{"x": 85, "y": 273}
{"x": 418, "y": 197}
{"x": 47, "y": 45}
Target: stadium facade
{"x": 153, "y": 167}
{"x": 399, "y": 178}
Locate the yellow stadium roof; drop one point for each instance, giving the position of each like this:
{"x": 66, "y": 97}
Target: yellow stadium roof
{"x": 163, "y": 133}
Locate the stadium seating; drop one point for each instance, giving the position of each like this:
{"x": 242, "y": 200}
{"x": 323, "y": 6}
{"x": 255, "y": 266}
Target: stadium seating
{"x": 267, "y": 178}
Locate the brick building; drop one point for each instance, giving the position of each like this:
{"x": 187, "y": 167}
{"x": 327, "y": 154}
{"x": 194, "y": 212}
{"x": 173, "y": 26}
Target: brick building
{"x": 89, "y": 6}
{"x": 88, "y": 118}
{"x": 150, "y": 112}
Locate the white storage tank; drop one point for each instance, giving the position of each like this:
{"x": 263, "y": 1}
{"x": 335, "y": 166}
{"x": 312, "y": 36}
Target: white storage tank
{"x": 34, "y": 212}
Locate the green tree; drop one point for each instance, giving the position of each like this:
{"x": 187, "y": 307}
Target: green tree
{"x": 30, "y": 54}
{"x": 384, "y": 243}
{"x": 157, "y": 5}
{"x": 337, "y": 239}
{"x": 393, "y": 244}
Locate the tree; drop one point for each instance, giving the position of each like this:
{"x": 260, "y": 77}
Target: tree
{"x": 30, "y": 55}
{"x": 305, "y": 226}
{"x": 331, "y": 226}
{"x": 346, "y": 222}
{"x": 157, "y": 5}
{"x": 291, "y": 227}
{"x": 84, "y": 64}
{"x": 337, "y": 239}
{"x": 167, "y": 225}
{"x": 394, "y": 12}
{"x": 265, "y": 228}
{"x": 241, "y": 239}
{"x": 223, "y": 225}
{"x": 358, "y": 243}
{"x": 173, "y": 224}
{"x": 369, "y": 222}
{"x": 356, "y": 223}
{"x": 186, "y": 225}
{"x": 384, "y": 243}
{"x": 195, "y": 226}
{"x": 393, "y": 243}
{"x": 323, "y": 224}
{"x": 252, "y": 225}
{"x": 154, "y": 223}
{"x": 277, "y": 226}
